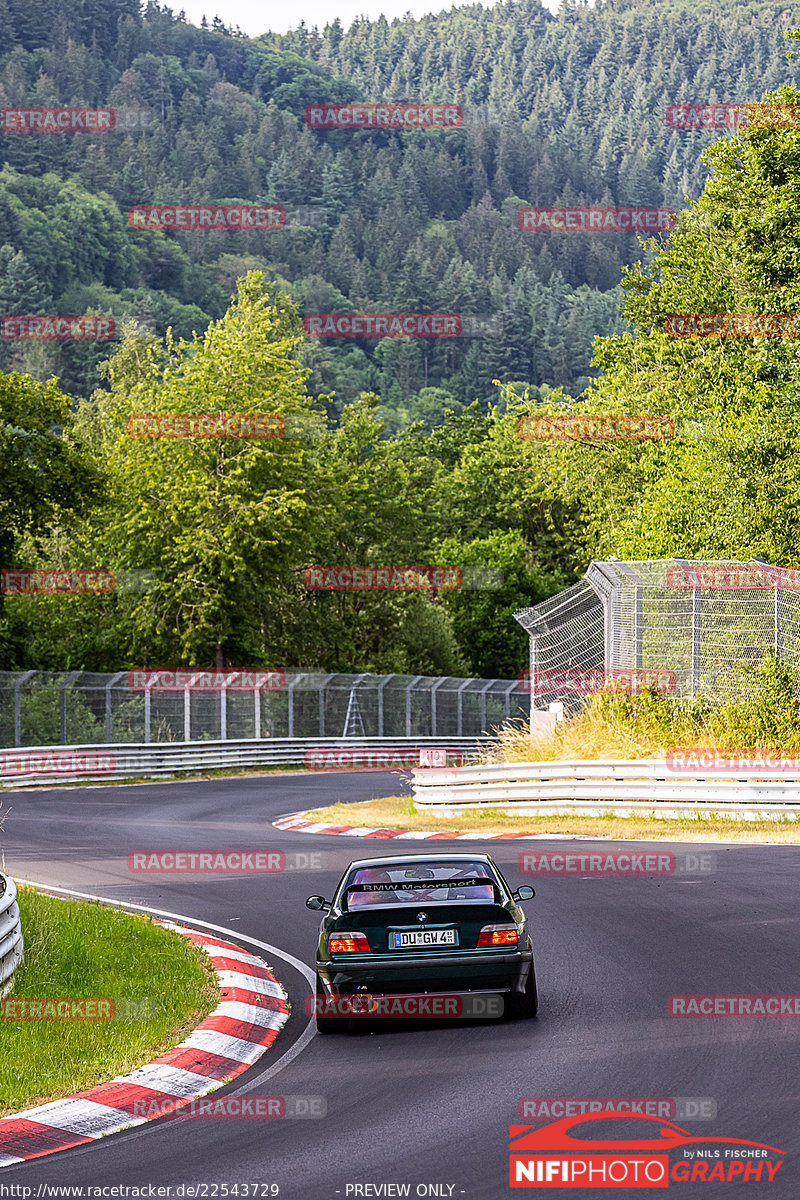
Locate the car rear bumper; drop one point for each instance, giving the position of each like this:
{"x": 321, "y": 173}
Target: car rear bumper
{"x": 453, "y": 974}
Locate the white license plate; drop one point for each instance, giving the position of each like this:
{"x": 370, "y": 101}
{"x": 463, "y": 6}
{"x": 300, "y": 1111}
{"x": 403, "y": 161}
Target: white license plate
{"x": 423, "y": 937}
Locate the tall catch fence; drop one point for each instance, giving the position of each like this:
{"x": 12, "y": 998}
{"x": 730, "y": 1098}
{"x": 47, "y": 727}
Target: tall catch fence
{"x": 40, "y": 708}
{"x": 684, "y": 627}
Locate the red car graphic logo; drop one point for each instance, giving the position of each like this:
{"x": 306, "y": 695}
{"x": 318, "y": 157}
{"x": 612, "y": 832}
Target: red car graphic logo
{"x": 557, "y": 1137}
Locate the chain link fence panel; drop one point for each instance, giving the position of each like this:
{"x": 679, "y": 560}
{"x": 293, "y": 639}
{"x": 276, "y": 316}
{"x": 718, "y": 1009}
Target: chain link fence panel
{"x": 682, "y": 626}
{"x": 43, "y": 708}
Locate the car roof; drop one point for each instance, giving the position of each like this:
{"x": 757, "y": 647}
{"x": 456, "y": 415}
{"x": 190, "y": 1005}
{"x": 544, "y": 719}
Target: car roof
{"x": 398, "y": 859}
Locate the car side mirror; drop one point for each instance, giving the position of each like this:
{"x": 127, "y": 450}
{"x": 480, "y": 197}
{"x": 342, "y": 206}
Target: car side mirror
{"x": 524, "y": 893}
{"x": 318, "y": 903}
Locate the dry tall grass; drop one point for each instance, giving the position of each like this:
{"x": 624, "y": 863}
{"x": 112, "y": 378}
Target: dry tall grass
{"x": 764, "y": 714}
{"x": 609, "y": 731}
{"x": 587, "y": 735}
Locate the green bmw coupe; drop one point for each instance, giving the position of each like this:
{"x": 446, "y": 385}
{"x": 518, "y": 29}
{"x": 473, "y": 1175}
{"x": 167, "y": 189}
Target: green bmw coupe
{"x": 433, "y": 931}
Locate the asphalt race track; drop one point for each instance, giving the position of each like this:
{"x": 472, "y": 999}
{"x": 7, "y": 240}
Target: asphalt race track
{"x": 425, "y": 1103}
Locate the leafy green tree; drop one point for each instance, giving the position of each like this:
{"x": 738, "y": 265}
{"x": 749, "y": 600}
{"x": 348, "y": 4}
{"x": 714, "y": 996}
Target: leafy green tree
{"x": 726, "y": 485}
{"x": 500, "y": 576}
{"x": 44, "y": 477}
{"x": 221, "y": 521}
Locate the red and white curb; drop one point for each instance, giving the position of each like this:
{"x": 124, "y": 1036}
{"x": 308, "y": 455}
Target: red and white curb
{"x": 251, "y": 1013}
{"x": 299, "y": 823}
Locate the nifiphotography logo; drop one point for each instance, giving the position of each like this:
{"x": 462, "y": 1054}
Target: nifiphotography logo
{"x": 647, "y": 1153}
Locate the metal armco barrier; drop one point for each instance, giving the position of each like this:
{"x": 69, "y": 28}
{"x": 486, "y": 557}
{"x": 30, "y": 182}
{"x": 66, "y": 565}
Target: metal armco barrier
{"x": 11, "y": 947}
{"x": 593, "y": 787}
{"x": 45, "y": 765}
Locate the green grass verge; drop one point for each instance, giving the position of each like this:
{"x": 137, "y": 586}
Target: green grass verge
{"x": 83, "y": 949}
{"x": 398, "y": 812}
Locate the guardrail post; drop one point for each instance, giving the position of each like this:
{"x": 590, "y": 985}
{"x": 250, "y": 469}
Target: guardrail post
{"x": 187, "y": 710}
{"x": 325, "y": 681}
{"x": 460, "y": 708}
{"x": 381, "y": 686}
{"x": 18, "y": 707}
{"x": 147, "y": 691}
{"x": 114, "y": 679}
{"x": 696, "y": 615}
{"x": 779, "y": 623}
{"x": 412, "y": 685}
{"x": 62, "y": 703}
{"x": 290, "y": 690}
{"x": 534, "y": 669}
{"x": 484, "y": 690}
{"x": 438, "y": 684}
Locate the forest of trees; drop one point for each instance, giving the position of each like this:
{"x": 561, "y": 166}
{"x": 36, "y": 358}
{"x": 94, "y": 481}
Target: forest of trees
{"x": 406, "y": 451}
{"x": 558, "y": 110}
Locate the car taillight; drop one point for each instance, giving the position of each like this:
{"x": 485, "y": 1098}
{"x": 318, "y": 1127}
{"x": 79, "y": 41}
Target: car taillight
{"x": 347, "y": 943}
{"x": 498, "y": 935}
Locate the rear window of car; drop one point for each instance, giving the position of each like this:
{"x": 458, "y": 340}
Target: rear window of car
{"x": 416, "y": 883}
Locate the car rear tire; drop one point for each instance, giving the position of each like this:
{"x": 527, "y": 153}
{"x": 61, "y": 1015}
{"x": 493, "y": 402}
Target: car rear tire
{"x": 526, "y": 1005}
{"x": 328, "y": 1024}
